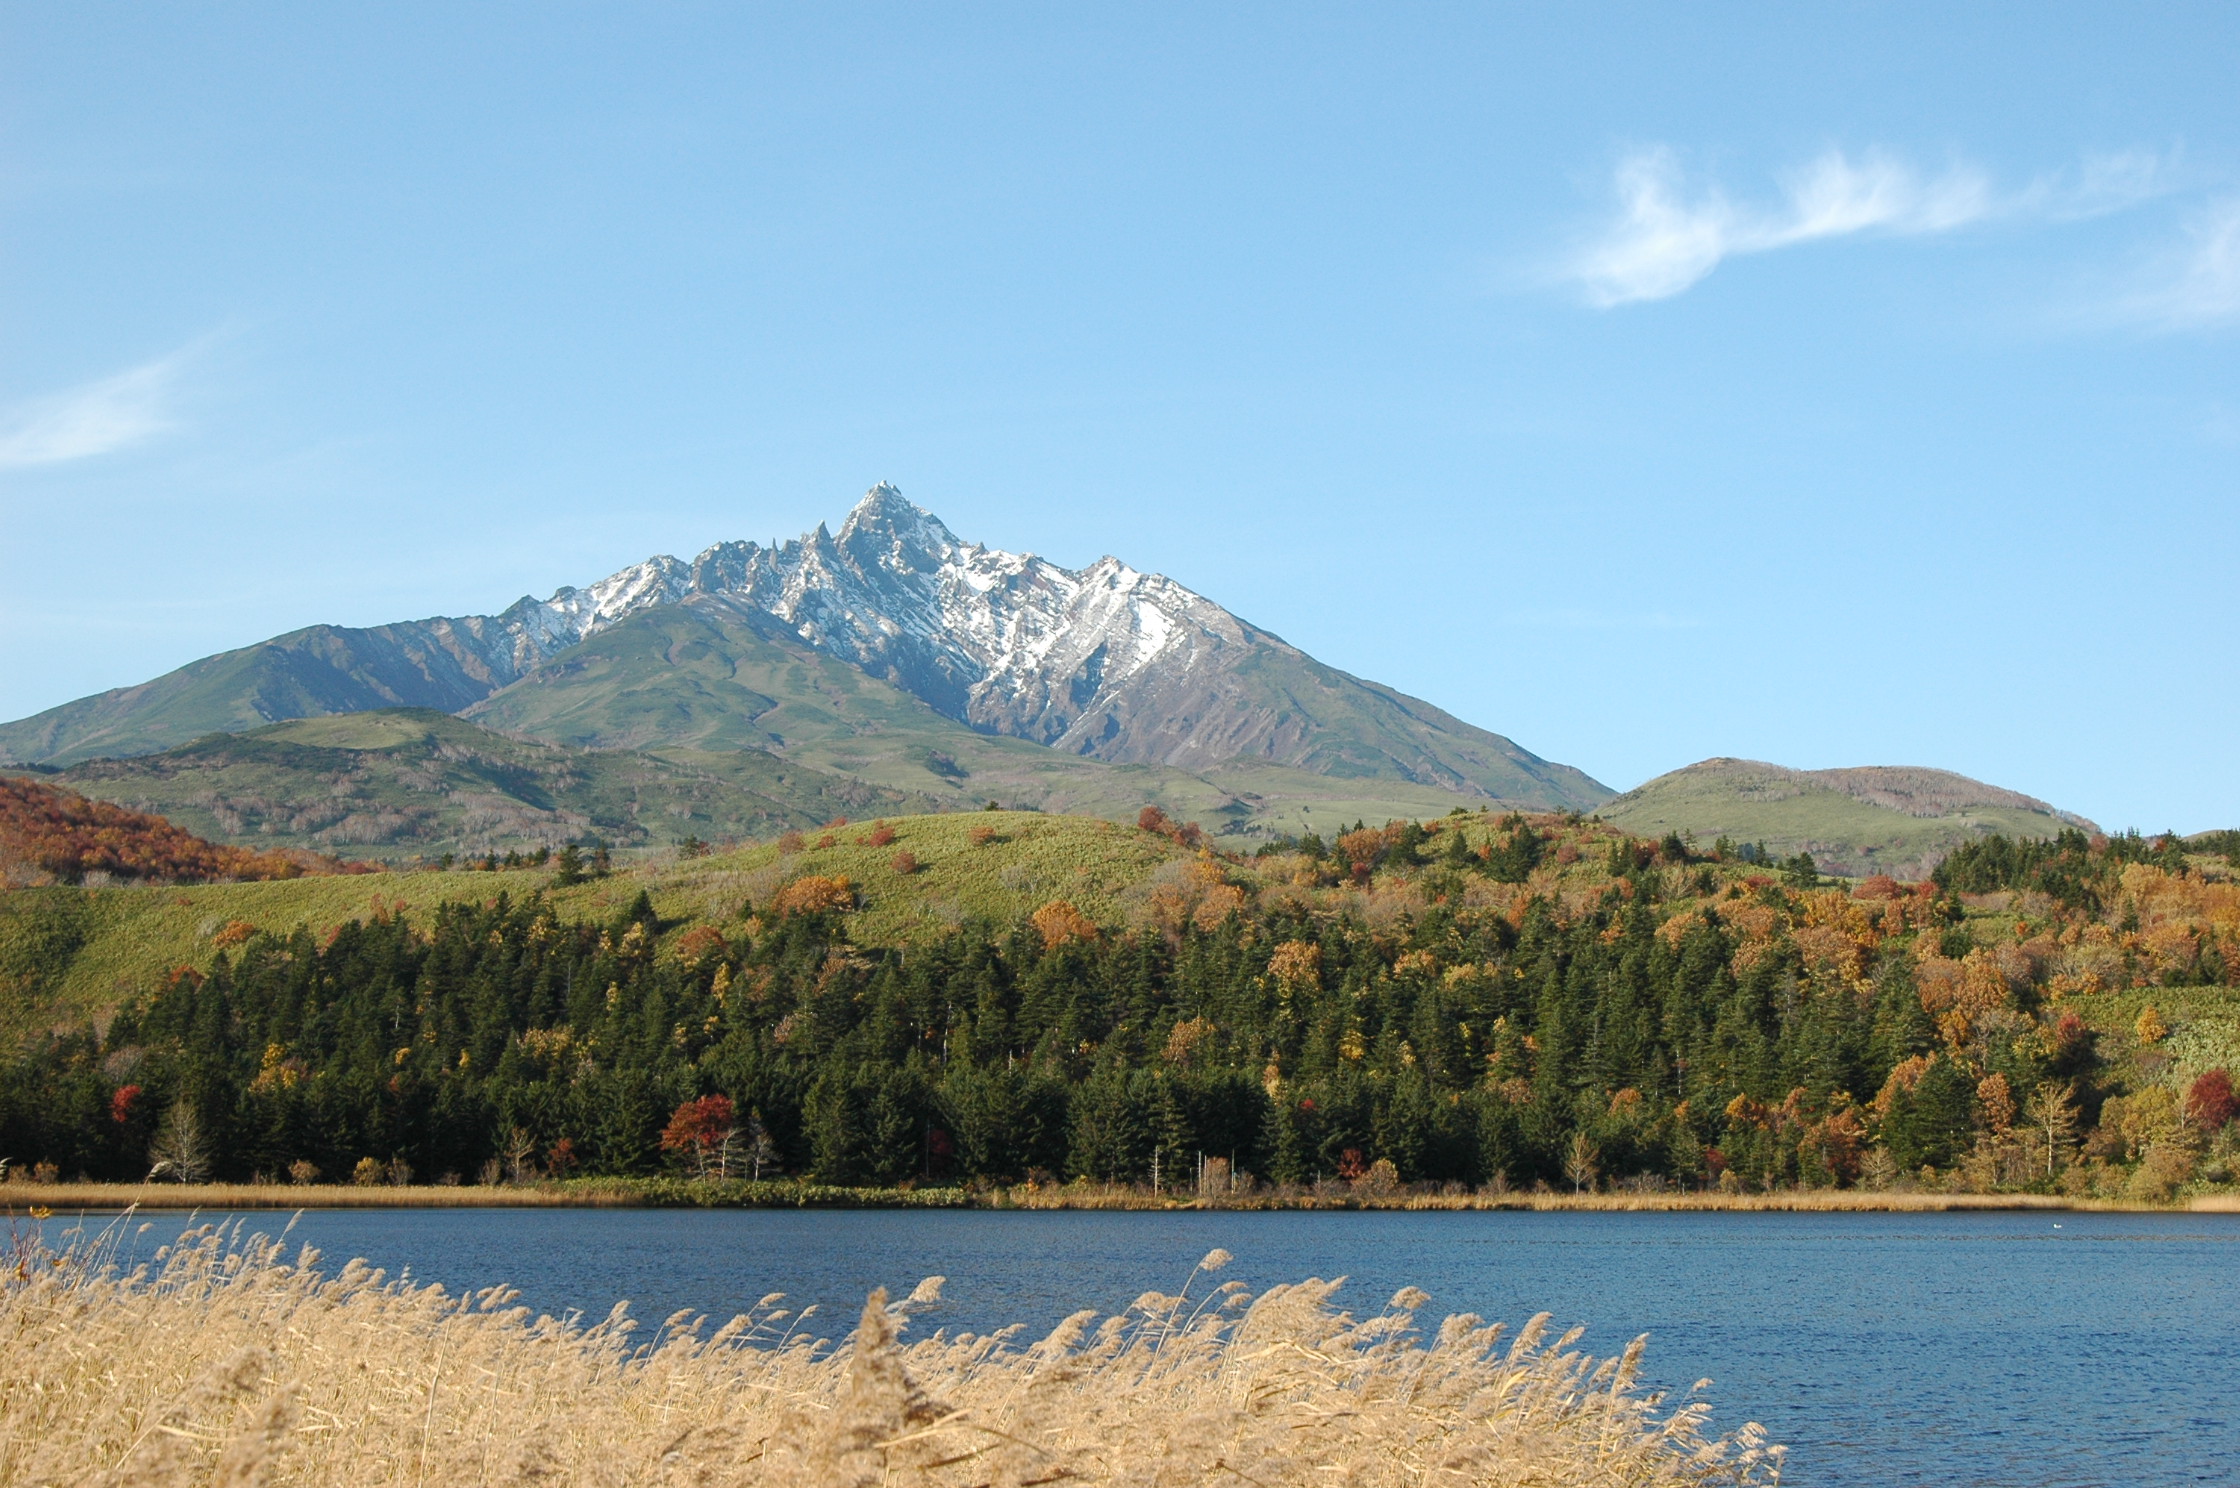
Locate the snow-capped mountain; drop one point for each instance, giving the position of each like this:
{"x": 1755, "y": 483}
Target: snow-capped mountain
{"x": 1105, "y": 661}
{"x": 1007, "y": 642}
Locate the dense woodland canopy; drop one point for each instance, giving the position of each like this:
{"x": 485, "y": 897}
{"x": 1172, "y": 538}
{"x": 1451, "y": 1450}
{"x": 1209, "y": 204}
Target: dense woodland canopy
{"x": 1470, "y": 1002}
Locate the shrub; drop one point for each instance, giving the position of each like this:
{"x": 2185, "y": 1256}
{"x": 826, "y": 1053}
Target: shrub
{"x": 904, "y": 863}
{"x": 813, "y": 893}
{"x": 303, "y": 1171}
{"x": 368, "y": 1172}
{"x": 2210, "y": 1102}
{"x": 1060, "y": 924}
{"x": 880, "y": 835}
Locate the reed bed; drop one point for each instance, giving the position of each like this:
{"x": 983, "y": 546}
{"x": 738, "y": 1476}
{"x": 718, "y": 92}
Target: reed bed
{"x": 223, "y": 1361}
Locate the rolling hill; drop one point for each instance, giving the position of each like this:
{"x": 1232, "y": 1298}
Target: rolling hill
{"x": 1899, "y": 820}
{"x": 413, "y": 783}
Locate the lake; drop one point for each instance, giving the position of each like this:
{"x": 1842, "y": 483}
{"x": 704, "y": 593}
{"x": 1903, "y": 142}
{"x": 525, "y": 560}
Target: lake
{"x": 1887, "y": 1349}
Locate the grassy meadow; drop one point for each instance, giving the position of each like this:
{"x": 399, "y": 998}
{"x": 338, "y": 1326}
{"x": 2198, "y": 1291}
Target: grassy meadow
{"x": 112, "y": 942}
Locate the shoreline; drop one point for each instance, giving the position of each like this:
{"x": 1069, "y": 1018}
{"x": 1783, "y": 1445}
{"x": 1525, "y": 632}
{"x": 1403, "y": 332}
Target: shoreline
{"x": 16, "y": 1198}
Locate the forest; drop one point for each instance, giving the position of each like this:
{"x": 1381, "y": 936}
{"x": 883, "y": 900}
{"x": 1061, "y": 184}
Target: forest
{"x": 1472, "y": 1002}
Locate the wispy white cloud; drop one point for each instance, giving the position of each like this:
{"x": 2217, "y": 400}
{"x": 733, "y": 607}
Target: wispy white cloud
{"x": 1669, "y": 234}
{"x": 93, "y": 419}
{"x": 2196, "y": 286}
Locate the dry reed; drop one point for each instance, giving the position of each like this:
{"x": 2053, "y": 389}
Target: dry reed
{"x": 224, "y": 1362}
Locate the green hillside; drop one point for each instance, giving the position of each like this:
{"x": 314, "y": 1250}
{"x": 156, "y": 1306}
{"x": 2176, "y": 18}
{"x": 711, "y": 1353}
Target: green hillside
{"x": 414, "y": 783}
{"x": 1895, "y": 820}
{"x": 67, "y": 953}
{"x": 320, "y": 669}
{"x": 700, "y": 677}
{"x": 2055, "y": 1019}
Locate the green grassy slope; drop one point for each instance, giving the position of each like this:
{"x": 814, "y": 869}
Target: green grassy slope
{"x": 320, "y": 669}
{"x": 407, "y": 783}
{"x": 68, "y": 953}
{"x": 1899, "y": 821}
{"x": 1363, "y": 730}
{"x": 703, "y": 677}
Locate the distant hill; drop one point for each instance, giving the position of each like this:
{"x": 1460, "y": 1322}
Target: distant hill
{"x": 1900, "y": 820}
{"x": 1104, "y": 664}
{"x": 407, "y": 783}
{"x": 710, "y": 675}
{"x": 50, "y": 834}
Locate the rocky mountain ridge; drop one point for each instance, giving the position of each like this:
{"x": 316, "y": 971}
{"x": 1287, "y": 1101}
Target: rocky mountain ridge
{"x": 1105, "y": 662}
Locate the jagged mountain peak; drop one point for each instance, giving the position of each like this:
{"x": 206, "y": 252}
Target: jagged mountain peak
{"x": 1105, "y": 661}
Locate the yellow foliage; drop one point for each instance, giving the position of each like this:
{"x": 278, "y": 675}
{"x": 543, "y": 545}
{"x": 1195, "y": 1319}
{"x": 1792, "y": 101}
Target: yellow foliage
{"x": 1185, "y": 1037}
{"x": 1296, "y": 964}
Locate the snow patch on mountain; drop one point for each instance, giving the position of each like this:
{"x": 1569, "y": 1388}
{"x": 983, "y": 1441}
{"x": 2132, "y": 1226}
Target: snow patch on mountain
{"x": 1008, "y": 642}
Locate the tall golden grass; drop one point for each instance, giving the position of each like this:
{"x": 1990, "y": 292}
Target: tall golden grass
{"x": 225, "y": 1362}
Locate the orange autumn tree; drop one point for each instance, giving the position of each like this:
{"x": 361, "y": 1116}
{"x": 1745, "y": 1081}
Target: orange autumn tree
{"x": 1060, "y": 924}
{"x": 814, "y": 893}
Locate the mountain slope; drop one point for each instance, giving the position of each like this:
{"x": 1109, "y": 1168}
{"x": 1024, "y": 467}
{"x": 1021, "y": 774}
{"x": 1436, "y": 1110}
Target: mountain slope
{"x": 1899, "y": 820}
{"x": 1105, "y": 662}
{"x": 417, "y": 783}
{"x": 712, "y": 674}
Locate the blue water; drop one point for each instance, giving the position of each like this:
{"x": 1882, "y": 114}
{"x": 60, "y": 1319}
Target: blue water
{"x": 2010, "y": 1349}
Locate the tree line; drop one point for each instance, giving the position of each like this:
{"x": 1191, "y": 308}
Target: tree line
{"x": 1671, "y": 1026}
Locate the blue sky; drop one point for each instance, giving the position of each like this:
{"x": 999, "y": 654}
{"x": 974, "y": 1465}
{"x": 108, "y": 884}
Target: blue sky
{"x": 1847, "y": 384}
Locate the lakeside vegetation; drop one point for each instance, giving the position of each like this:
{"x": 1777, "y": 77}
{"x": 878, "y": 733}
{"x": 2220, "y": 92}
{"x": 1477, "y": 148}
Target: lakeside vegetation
{"x": 1453, "y": 1008}
{"x": 47, "y": 1199}
{"x": 227, "y": 1361}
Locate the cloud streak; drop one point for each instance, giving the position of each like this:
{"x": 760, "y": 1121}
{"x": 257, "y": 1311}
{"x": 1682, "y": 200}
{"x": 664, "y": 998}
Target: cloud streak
{"x": 91, "y": 420}
{"x": 2199, "y": 286}
{"x": 1669, "y": 235}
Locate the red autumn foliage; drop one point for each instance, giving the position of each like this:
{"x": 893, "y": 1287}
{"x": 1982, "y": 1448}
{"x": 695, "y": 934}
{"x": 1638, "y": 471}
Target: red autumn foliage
{"x": 64, "y": 835}
{"x": 702, "y": 1131}
{"x": 2210, "y": 1103}
{"x": 1185, "y": 834}
{"x": 120, "y": 1104}
{"x": 880, "y": 835}
{"x": 905, "y": 863}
